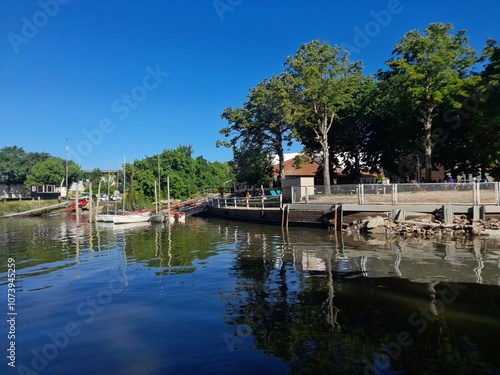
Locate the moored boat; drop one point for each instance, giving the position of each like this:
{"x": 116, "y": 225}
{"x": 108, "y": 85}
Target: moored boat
{"x": 157, "y": 218}
{"x": 131, "y": 217}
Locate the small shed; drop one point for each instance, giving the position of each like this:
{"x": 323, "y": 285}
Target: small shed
{"x": 297, "y": 175}
{"x": 45, "y": 192}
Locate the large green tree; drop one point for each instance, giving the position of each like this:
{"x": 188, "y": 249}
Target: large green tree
{"x": 432, "y": 68}
{"x": 16, "y": 164}
{"x": 323, "y": 82}
{"x": 482, "y": 113}
{"x": 252, "y": 165}
{"x": 264, "y": 123}
{"x": 356, "y": 126}
{"x": 188, "y": 176}
{"x": 13, "y": 165}
{"x": 52, "y": 171}
{"x": 393, "y": 129}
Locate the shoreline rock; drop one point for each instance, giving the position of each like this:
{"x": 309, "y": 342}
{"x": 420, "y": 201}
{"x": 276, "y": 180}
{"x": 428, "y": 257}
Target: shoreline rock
{"x": 425, "y": 226}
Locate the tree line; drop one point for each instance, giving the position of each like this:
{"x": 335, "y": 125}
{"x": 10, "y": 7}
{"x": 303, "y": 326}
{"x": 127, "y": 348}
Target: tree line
{"x": 188, "y": 176}
{"x": 434, "y": 104}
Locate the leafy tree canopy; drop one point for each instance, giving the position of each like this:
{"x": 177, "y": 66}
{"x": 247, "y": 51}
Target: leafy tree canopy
{"x": 432, "y": 68}
{"x": 52, "y": 172}
{"x": 323, "y": 81}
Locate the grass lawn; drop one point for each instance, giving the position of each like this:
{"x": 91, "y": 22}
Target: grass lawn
{"x": 10, "y": 207}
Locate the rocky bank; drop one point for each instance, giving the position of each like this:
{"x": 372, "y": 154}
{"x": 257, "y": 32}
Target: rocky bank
{"x": 423, "y": 226}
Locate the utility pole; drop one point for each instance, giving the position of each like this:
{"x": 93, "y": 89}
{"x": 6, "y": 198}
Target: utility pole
{"x": 67, "y": 187}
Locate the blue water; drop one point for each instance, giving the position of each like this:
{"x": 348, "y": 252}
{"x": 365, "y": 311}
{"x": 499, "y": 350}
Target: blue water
{"x": 216, "y": 297}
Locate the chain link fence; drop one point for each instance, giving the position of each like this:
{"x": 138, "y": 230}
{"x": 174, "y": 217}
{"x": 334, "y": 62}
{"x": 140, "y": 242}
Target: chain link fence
{"x": 475, "y": 193}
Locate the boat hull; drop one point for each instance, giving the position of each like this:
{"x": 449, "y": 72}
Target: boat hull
{"x": 130, "y": 218}
{"x": 157, "y": 218}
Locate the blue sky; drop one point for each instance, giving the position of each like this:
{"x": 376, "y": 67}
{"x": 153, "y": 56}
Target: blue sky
{"x": 131, "y": 78}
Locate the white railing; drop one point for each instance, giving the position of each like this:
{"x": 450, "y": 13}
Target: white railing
{"x": 253, "y": 202}
{"x": 475, "y": 193}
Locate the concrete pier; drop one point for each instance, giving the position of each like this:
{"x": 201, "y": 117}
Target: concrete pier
{"x": 333, "y": 215}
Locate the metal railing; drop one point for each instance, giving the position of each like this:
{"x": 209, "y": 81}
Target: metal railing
{"x": 253, "y": 202}
{"x": 475, "y": 193}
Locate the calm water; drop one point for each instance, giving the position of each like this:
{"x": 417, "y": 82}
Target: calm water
{"x": 216, "y": 297}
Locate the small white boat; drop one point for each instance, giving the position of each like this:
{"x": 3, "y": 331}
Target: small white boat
{"x": 105, "y": 218}
{"x": 131, "y": 217}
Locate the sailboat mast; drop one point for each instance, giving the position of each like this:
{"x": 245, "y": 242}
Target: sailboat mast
{"x": 159, "y": 181}
{"x": 168, "y": 196}
{"x": 109, "y": 179}
{"x": 123, "y": 200}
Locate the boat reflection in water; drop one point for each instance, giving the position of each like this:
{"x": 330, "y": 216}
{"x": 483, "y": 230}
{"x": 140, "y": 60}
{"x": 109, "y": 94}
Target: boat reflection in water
{"x": 217, "y": 297}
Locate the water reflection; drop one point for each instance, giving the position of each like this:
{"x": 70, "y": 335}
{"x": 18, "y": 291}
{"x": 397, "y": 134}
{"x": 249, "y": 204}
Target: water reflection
{"x": 218, "y": 295}
{"x": 365, "y": 305}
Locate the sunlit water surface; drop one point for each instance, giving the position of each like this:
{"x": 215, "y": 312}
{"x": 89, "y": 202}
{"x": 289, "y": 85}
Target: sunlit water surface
{"x": 216, "y": 297}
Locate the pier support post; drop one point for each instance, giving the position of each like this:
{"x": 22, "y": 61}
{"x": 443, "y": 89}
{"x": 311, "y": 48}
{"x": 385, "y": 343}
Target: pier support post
{"x": 339, "y": 217}
{"x": 448, "y": 214}
{"x": 478, "y": 213}
{"x": 475, "y": 213}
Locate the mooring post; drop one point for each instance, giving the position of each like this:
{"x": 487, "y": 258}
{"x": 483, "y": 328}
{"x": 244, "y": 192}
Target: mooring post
{"x": 77, "y": 206}
{"x": 339, "y": 217}
{"x": 283, "y": 216}
{"x": 91, "y": 212}
{"x": 287, "y": 213}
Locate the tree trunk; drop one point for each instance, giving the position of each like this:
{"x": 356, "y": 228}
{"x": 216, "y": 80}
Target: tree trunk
{"x": 326, "y": 164}
{"x": 428, "y": 144}
{"x": 281, "y": 175}
{"x": 324, "y": 128}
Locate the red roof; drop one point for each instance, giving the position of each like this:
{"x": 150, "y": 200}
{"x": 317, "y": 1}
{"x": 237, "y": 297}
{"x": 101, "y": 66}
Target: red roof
{"x": 307, "y": 169}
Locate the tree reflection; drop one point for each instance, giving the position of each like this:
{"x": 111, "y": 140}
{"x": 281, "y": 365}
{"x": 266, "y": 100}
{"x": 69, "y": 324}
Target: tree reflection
{"x": 324, "y": 316}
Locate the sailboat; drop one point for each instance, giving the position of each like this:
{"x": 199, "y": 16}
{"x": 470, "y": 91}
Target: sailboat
{"x": 158, "y": 216}
{"x": 130, "y": 217}
{"x": 106, "y": 217}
